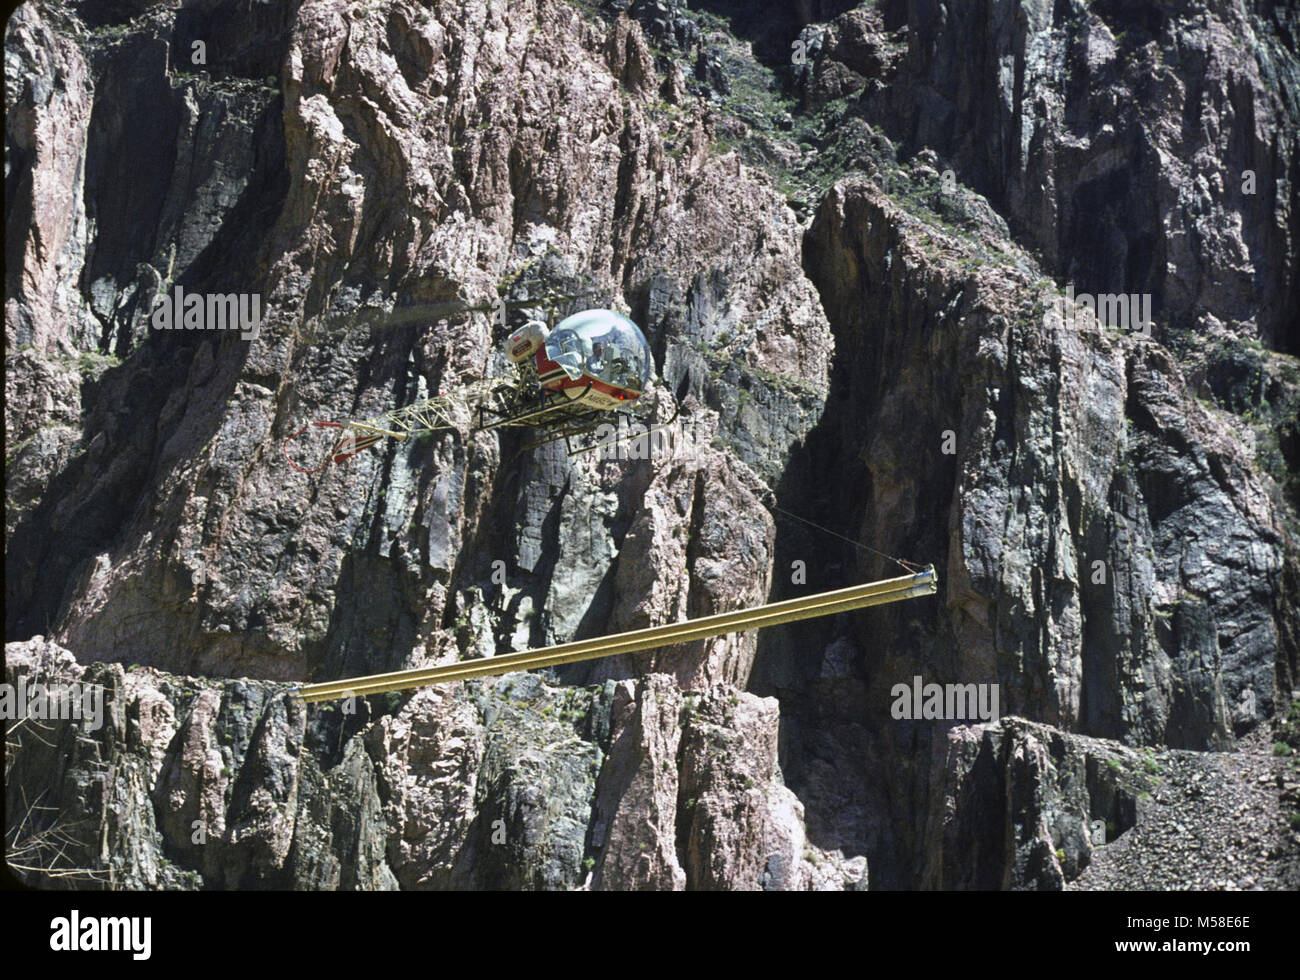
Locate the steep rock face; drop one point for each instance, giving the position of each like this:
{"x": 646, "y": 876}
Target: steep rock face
{"x": 41, "y": 427}
{"x": 700, "y": 545}
{"x": 899, "y": 372}
{"x": 731, "y": 805}
{"x": 1140, "y": 149}
{"x": 169, "y": 200}
{"x": 48, "y": 100}
{"x": 253, "y": 578}
{"x": 698, "y": 774}
{"x": 1073, "y": 445}
{"x": 639, "y": 797}
{"x": 1112, "y": 562}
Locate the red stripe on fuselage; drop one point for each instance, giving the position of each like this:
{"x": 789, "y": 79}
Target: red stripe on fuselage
{"x": 605, "y": 388}
{"x": 552, "y": 377}
{"x": 546, "y": 368}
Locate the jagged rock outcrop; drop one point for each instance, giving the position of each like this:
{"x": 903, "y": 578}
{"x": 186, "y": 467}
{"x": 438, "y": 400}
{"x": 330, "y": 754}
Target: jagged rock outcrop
{"x": 511, "y": 784}
{"x": 1022, "y": 805}
{"x": 1145, "y": 148}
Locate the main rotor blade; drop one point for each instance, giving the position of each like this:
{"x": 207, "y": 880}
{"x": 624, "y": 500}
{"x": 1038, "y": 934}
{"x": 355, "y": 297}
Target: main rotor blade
{"x": 423, "y": 313}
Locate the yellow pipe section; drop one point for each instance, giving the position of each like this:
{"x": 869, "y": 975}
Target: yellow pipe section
{"x": 788, "y": 611}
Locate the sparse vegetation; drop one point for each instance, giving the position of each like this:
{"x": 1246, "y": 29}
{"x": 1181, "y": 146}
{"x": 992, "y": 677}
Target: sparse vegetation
{"x": 1288, "y": 728}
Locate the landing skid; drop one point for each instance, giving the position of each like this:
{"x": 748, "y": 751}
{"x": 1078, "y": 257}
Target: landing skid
{"x": 550, "y": 408}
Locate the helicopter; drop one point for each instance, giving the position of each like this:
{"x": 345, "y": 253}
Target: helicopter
{"x": 566, "y": 381}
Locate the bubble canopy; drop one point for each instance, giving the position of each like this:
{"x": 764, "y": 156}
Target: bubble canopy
{"x": 604, "y": 345}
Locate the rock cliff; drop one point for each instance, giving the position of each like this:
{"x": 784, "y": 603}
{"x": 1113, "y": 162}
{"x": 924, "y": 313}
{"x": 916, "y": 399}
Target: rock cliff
{"x": 846, "y": 231}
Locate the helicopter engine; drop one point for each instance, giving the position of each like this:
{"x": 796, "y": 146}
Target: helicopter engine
{"x": 526, "y": 341}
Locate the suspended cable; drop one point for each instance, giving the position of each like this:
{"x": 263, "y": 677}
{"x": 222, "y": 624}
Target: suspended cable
{"x": 909, "y": 566}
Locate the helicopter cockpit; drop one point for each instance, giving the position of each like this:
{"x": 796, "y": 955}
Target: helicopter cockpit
{"x": 604, "y": 345}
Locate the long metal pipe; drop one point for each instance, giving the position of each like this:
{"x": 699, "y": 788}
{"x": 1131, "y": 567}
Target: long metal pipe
{"x": 788, "y": 611}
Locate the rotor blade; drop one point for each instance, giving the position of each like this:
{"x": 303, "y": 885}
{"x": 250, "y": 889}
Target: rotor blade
{"x": 402, "y": 316}
{"x": 423, "y": 313}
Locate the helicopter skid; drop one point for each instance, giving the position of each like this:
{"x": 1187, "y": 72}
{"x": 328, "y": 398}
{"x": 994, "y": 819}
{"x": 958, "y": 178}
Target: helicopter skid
{"x": 552, "y": 409}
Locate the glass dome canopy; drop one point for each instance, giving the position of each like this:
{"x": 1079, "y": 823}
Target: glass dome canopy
{"x": 604, "y": 345}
